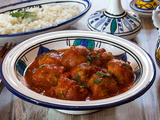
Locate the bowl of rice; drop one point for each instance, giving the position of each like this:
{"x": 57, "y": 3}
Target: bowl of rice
{"x": 22, "y": 20}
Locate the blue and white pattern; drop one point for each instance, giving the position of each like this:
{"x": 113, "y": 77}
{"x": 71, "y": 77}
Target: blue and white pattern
{"x": 156, "y": 22}
{"x": 15, "y": 62}
{"x": 123, "y": 25}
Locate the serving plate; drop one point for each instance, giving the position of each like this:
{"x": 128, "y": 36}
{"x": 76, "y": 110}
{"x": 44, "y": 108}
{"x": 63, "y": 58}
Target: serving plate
{"x": 83, "y": 5}
{"x": 13, "y": 67}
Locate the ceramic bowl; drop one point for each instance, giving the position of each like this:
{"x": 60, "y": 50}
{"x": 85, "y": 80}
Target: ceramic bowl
{"x": 83, "y": 5}
{"x": 143, "y": 8}
{"x": 15, "y": 62}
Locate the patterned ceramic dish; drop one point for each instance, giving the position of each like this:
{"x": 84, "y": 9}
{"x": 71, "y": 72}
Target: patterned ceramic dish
{"x": 16, "y": 61}
{"x": 116, "y": 21}
{"x": 143, "y": 7}
{"x": 83, "y": 5}
{"x": 126, "y": 25}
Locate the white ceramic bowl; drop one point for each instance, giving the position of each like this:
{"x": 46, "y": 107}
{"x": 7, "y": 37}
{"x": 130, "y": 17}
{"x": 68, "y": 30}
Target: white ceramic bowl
{"x": 83, "y": 5}
{"x": 16, "y": 61}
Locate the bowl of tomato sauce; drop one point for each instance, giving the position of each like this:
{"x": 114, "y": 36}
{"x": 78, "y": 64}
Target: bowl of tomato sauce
{"x": 77, "y": 73}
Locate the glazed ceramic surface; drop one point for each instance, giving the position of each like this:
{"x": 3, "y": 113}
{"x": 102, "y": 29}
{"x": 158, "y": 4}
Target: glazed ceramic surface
{"x": 16, "y": 61}
{"x": 143, "y": 7}
{"x": 115, "y": 20}
{"x": 156, "y": 22}
{"x": 83, "y": 5}
{"x": 126, "y": 25}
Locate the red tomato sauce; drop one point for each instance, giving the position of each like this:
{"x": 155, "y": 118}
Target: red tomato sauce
{"x": 79, "y": 74}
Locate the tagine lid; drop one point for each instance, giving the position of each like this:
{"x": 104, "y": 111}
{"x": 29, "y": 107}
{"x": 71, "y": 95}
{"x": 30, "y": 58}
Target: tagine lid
{"x": 115, "y": 20}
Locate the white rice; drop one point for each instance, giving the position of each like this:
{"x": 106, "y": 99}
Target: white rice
{"x": 45, "y": 16}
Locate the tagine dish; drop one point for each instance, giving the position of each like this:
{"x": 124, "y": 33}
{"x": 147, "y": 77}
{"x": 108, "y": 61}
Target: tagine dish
{"x": 78, "y": 72}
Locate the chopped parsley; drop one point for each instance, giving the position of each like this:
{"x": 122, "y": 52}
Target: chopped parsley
{"x": 89, "y": 53}
{"x": 79, "y": 65}
{"x": 85, "y": 86}
{"x": 88, "y": 63}
{"x": 68, "y": 59}
{"x": 102, "y": 74}
{"x": 22, "y": 14}
{"x": 42, "y": 66}
{"x": 74, "y": 46}
{"x": 42, "y": 10}
{"x": 94, "y": 57}
{"x": 79, "y": 83}
{"x": 80, "y": 70}
{"x": 34, "y": 70}
{"x": 96, "y": 81}
{"x": 77, "y": 76}
{"x": 125, "y": 64}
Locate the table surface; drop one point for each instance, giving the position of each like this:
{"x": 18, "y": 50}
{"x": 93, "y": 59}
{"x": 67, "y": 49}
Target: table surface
{"x": 146, "y": 107}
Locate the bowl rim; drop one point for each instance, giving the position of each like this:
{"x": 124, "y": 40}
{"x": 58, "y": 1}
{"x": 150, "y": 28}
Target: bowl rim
{"x": 82, "y": 107}
{"x": 142, "y": 11}
{"x": 87, "y": 7}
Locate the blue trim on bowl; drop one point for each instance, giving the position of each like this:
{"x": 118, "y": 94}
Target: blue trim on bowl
{"x": 64, "y": 107}
{"x": 50, "y": 27}
{"x": 17, "y": 3}
{"x": 138, "y": 10}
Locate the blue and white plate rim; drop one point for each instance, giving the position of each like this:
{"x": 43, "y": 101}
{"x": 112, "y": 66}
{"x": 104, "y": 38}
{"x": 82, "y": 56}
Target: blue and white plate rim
{"x": 81, "y": 106}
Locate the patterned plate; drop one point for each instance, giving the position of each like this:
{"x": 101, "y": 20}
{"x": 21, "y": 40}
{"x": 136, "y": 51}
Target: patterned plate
{"x": 15, "y": 62}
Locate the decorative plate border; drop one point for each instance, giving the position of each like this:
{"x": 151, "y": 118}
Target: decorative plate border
{"x": 84, "y": 107}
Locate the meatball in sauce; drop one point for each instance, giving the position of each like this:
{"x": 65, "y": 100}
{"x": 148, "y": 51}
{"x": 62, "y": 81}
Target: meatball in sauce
{"x": 79, "y": 74}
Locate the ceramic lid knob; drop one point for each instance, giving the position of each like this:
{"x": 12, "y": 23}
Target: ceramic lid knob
{"x": 117, "y": 5}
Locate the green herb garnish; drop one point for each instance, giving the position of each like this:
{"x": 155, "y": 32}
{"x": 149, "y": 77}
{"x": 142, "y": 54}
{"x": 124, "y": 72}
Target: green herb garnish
{"x": 88, "y": 63}
{"x": 96, "y": 81}
{"x": 42, "y": 66}
{"x": 42, "y": 10}
{"x": 34, "y": 70}
{"x": 125, "y": 64}
{"x": 94, "y": 57}
{"x": 79, "y": 83}
{"x": 68, "y": 59}
{"x": 74, "y": 46}
{"x": 79, "y": 65}
{"x": 22, "y": 14}
{"x": 85, "y": 86}
{"x": 77, "y": 76}
{"x": 102, "y": 74}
